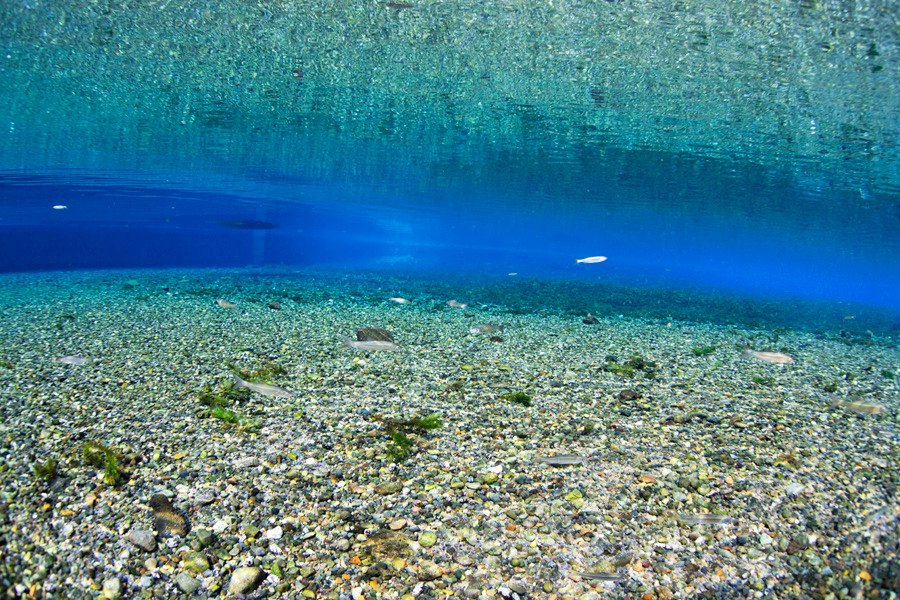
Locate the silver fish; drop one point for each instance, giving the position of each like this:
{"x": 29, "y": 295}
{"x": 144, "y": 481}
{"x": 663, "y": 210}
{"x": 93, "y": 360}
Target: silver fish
{"x": 590, "y": 260}
{"x": 261, "y": 388}
{"x": 73, "y": 360}
{"x": 702, "y": 518}
{"x": 599, "y": 576}
{"x": 561, "y": 459}
{"x": 772, "y": 357}
{"x": 862, "y": 408}
{"x": 486, "y": 328}
{"x": 369, "y": 346}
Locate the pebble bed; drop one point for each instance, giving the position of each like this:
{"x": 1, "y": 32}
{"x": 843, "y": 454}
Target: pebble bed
{"x": 312, "y": 497}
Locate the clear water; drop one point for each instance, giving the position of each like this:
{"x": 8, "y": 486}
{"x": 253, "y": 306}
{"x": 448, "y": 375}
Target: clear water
{"x": 748, "y": 147}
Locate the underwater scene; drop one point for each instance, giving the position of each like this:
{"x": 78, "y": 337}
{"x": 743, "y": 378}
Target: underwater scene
{"x": 450, "y": 299}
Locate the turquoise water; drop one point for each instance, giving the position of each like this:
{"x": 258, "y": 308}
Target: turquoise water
{"x": 739, "y": 147}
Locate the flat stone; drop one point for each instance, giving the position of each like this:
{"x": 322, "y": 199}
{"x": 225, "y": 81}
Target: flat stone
{"x": 245, "y": 580}
{"x": 391, "y": 487}
{"x": 794, "y": 489}
{"x": 186, "y": 583}
{"x": 143, "y": 539}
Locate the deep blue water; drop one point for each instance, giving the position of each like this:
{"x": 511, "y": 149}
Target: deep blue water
{"x": 748, "y": 150}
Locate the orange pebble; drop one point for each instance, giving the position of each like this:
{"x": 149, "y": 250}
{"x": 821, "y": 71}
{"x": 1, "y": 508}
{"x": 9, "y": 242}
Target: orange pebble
{"x": 864, "y": 575}
{"x": 355, "y": 560}
{"x": 647, "y": 596}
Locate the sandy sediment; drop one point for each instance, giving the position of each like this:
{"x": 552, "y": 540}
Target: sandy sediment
{"x": 339, "y": 492}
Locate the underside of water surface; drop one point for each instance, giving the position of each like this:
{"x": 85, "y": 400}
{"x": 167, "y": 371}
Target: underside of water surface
{"x": 747, "y": 147}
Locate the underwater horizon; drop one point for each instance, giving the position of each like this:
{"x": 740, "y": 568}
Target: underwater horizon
{"x": 732, "y": 147}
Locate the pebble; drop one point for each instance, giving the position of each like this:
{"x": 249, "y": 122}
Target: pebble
{"x": 112, "y": 588}
{"x": 245, "y": 580}
{"x": 427, "y": 539}
{"x": 186, "y": 583}
{"x": 143, "y": 539}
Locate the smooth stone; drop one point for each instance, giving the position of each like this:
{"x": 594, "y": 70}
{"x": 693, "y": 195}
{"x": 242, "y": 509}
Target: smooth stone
{"x": 245, "y": 580}
{"x": 143, "y": 539}
{"x": 112, "y": 588}
{"x": 794, "y": 489}
{"x": 342, "y": 545}
{"x": 186, "y": 583}
{"x": 765, "y": 540}
{"x": 275, "y": 533}
{"x": 427, "y": 539}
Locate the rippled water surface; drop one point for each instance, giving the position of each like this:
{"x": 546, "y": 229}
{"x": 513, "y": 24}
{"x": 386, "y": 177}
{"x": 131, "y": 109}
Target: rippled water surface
{"x": 749, "y": 146}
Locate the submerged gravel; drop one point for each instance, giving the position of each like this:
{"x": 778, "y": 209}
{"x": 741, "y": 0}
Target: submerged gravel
{"x": 704, "y": 474}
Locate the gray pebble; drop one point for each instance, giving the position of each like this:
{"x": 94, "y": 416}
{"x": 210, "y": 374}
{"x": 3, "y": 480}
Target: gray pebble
{"x": 143, "y": 539}
{"x": 186, "y": 583}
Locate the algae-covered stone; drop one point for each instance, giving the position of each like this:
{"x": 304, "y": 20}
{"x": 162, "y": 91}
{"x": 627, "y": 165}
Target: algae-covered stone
{"x": 576, "y": 498}
{"x": 427, "y": 539}
{"x": 196, "y": 562}
{"x": 387, "y": 488}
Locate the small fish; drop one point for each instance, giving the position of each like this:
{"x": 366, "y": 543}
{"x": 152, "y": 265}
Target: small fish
{"x": 73, "y": 360}
{"x": 60, "y": 207}
{"x": 248, "y": 224}
{"x": 561, "y": 459}
{"x": 400, "y": 300}
{"x": 486, "y": 328}
{"x": 702, "y": 518}
{"x": 369, "y": 346}
{"x": 772, "y": 357}
{"x": 590, "y": 259}
{"x": 861, "y": 408}
{"x": 599, "y": 576}
{"x": 455, "y": 304}
{"x": 225, "y": 303}
{"x": 261, "y": 388}
{"x": 374, "y": 334}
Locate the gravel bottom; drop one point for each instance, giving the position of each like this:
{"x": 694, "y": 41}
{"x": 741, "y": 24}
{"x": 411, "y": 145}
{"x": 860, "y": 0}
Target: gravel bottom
{"x": 339, "y": 492}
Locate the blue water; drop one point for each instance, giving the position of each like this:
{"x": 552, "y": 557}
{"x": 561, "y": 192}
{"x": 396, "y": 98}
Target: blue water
{"x": 745, "y": 150}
